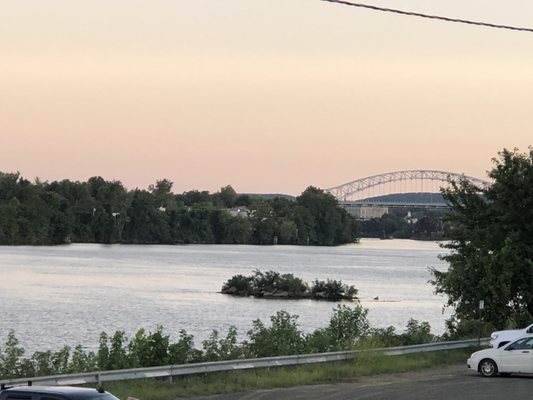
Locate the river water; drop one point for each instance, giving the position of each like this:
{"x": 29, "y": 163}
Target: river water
{"x": 67, "y": 295}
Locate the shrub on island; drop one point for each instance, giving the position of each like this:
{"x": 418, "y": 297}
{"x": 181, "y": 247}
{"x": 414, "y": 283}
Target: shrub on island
{"x": 273, "y": 285}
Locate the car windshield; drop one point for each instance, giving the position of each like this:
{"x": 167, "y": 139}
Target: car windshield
{"x": 520, "y": 344}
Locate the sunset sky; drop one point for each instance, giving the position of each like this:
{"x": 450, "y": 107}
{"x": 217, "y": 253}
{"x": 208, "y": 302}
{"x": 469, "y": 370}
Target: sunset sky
{"x": 268, "y": 96}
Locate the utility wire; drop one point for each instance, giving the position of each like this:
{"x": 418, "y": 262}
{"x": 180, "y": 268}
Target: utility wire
{"x": 415, "y": 14}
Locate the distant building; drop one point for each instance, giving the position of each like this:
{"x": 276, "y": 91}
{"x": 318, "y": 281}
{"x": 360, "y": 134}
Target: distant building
{"x": 366, "y": 212}
{"x": 410, "y": 219}
{"x": 240, "y": 211}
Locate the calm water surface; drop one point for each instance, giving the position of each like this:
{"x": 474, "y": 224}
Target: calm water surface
{"x": 67, "y": 295}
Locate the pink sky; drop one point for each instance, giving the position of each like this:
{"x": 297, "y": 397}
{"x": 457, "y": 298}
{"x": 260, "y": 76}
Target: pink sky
{"x": 268, "y": 96}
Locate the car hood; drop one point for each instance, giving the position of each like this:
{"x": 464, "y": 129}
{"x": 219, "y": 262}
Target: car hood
{"x": 485, "y": 353}
{"x": 507, "y": 332}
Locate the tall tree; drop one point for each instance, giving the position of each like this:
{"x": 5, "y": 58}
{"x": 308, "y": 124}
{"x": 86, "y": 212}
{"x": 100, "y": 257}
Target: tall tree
{"x": 491, "y": 251}
{"x": 332, "y": 224}
{"x": 227, "y": 196}
{"x": 162, "y": 191}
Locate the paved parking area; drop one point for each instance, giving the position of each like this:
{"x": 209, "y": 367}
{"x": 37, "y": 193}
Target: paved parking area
{"x": 455, "y": 382}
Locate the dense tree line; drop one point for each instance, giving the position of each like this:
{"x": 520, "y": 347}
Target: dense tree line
{"x": 347, "y": 327}
{"x": 407, "y": 224}
{"x": 100, "y": 211}
{"x": 491, "y": 249}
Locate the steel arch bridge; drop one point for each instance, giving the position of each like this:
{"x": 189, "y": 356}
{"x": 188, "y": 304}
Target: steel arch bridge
{"x": 358, "y": 190}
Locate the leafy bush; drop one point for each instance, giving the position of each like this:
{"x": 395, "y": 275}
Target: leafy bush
{"x": 281, "y": 338}
{"x": 218, "y": 349}
{"x": 292, "y": 285}
{"x": 418, "y": 333}
{"x": 183, "y": 351}
{"x": 384, "y": 337}
{"x": 415, "y": 333}
{"x": 332, "y": 290}
{"x": 264, "y": 281}
{"x": 462, "y": 329}
{"x": 241, "y": 283}
{"x": 346, "y": 327}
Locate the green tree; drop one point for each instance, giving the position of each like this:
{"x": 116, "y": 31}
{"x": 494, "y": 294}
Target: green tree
{"x": 102, "y": 357}
{"x": 11, "y": 357}
{"x": 110, "y": 201}
{"x": 118, "y": 354}
{"x": 332, "y": 224}
{"x": 82, "y": 361}
{"x": 288, "y": 231}
{"x": 147, "y": 222}
{"x": 9, "y": 218}
{"x": 491, "y": 252}
{"x": 263, "y": 222}
{"x": 238, "y": 230}
{"x": 78, "y": 205}
{"x": 162, "y": 192}
{"x": 227, "y": 196}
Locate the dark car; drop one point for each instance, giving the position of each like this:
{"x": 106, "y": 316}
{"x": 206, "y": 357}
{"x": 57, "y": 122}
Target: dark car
{"x": 54, "y": 393}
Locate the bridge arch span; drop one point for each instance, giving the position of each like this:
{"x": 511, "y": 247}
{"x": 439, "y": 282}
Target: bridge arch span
{"x": 350, "y": 190}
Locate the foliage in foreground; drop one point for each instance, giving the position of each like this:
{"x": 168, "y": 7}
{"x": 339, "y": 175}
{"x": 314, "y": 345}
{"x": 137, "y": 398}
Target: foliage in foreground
{"x": 347, "y": 328}
{"x": 491, "y": 251}
{"x": 271, "y": 284}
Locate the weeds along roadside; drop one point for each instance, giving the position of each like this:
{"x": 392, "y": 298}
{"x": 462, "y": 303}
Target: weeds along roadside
{"x": 269, "y": 378}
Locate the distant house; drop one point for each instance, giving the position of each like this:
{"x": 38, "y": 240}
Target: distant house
{"x": 410, "y": 219}
{"x": 240, "y": 211}
{"x": 366, "y": 212}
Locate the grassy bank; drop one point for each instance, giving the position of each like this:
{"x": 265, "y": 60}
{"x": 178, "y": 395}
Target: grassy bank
{"x": 230, "y": 382}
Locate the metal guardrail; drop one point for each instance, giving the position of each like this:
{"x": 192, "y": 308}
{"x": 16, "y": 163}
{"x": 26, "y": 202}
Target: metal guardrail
{"x": 170, "y": 371}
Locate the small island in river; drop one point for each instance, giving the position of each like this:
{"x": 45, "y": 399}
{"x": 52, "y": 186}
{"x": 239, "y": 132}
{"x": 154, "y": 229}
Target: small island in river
{"x": 273, "y": 285}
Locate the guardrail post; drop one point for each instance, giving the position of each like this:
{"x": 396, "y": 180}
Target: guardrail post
{"x": 98, "y": 379}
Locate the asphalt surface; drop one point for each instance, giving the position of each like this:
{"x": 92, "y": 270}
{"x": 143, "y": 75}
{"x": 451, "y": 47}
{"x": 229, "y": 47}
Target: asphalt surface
{"x": 456, "y": 382}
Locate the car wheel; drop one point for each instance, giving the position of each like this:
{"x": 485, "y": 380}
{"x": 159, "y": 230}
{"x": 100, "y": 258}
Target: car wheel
{"x": 488, "y": 368}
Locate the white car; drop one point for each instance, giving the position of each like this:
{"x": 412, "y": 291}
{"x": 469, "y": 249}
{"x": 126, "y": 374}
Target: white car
{"x": 514, "y": 357}
{"x": 500, "y": 338}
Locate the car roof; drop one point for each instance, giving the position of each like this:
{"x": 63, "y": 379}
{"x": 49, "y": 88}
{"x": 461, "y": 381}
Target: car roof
{"x": 70, "y": 391}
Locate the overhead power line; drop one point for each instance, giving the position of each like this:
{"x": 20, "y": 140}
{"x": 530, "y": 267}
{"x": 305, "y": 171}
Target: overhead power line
{"x": 438, "y": 17}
